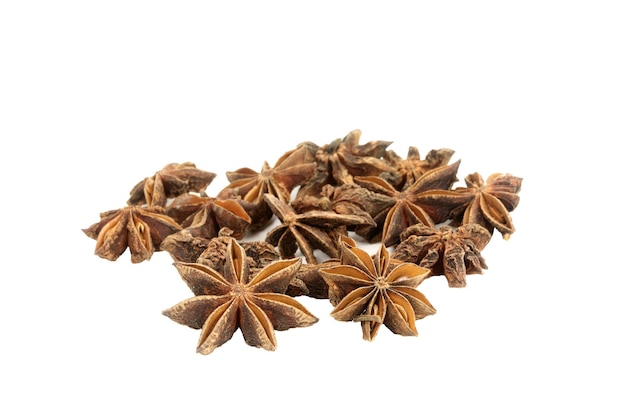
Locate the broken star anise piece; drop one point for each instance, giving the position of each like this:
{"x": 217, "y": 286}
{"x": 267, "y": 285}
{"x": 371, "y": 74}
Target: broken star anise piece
{"x": 141, "y": 230}
{"x": 171, "y": 181}
{"x": 236, "y": 299}
{"x": 370, "y": 292}
{"x": 447, "y": 251}
{"x": 308, "y": 231}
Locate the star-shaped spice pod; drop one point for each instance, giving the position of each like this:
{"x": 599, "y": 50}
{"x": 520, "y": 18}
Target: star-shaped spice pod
{"x": 172, "y": 180}
{"x": 308, "y": 231}
{"x": 404, "y": 209}
{"x": 139, "y": 229}
{"x": 447, "y": 251}
{"x": 235, "y": 299}
{"x": 489, "y": 202}
{"x": 411, "y": 168}
{"x": 204, "y": 216}
{"x": 292, "y": 169}
{"x": 341, "y": 160}
{"x": 365, "y": 288}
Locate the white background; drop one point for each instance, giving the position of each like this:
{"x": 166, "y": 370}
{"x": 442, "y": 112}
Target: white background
{"x": 95, "y": 96}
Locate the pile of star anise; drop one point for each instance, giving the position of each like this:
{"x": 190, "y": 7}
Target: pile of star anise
{"x": 317, "y": 203}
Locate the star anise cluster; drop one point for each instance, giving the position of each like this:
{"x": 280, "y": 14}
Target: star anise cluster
{"x": 314, "y": 204}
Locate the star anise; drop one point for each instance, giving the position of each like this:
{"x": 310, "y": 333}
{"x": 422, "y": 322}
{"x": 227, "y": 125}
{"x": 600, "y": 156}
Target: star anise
{"x": 140, "y": 229}
{"x": 409, "y": 170}
{"x": 183, "y": 246}
{"x": 447, "y": 251}
{"x": 235, "y": 299}
{"x": 403, "y": 208}
{"x": 486, "y": 203}
{"x": 259, "y": 254}
{"x": 364, "y": 288}
{"x": 292, "y": 169}
{"x": 204, "y": 216}
{"x": 342, "y": 199}
{"x": 307, "y": 231}
{"x": 341, "y": 160}
{"x": 171, "y": 181}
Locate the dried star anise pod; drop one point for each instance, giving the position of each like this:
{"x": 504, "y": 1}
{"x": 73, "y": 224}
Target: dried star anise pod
{"x": 342, "y": 199}
{"x": 204, "y": 216}
{"x": 447, "y": 251}
{"x": 171, "y": 181}
{"x": 403, "y": 209}
{"x": 485, "y": 203}
{"x": 341, "y": 160}
{"x": 413, "y": 167}
{"x": 140, "y": 229}
{"x": 259, "y": 254}
{"x": 309, "y": 280}
{"x": 307, "y": 231}
{"x": 332, "y": 200}
{"x": 235, "y": 299}
{"x": 292, "y": 169}
{"x": 184, "y": 246}
{"x": 370, "y": 292}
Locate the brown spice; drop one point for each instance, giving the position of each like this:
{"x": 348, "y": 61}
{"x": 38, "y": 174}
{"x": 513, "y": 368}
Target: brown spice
{"x": 225, "y": 302}
{"x": 141, "y": 230}
{"x": 365, "y": 289}
{"x": 447, "y": 251}
{"x": 171, "y": 181}
{"x": 403, "y": 209}
{"x": 342, "y": 189}
{"x": 307, "y": 231}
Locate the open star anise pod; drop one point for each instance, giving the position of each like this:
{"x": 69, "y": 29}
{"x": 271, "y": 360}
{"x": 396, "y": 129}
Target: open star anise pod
{"x": 453, "y": 252}
{"x": 292, "y": 169}
{"x": 236, "y": 299}
{"x": 409, "y": 170}
{"x": 140, "y": 229}
{"x": 404, "y": 208}
{"x": 341, "y": 160}
{"x": 370, "y": 292}
{"x": 487, "y": 203}
{"x": 308, "y": 231}
{"x": 171, "y": 181}
{"x": 341, "y": 199}
{"x": 204, "y": 216}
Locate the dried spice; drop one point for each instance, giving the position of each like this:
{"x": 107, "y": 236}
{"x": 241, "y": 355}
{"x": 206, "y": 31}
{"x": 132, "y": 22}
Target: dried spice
{"x": 141, "y": 230}
{"x": 171, "y": 181}
{"x": 307, "y": 231}
{"x": 321, "y": 200}
{"x": 235, "y": 299}
{"x": 412, "y": 168}
{"x": 184, "y": 247}
{"x": 341, "y": 160}
{"x": 403, "y": 209}
{"x": 447, "y": 251}
{"x": 292, "y": 169}
{"x": 204, "y": 216}
{"x": 490, "y": 202}
{"x": 343, "y": 199}
{"x": 370, "y": 292}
